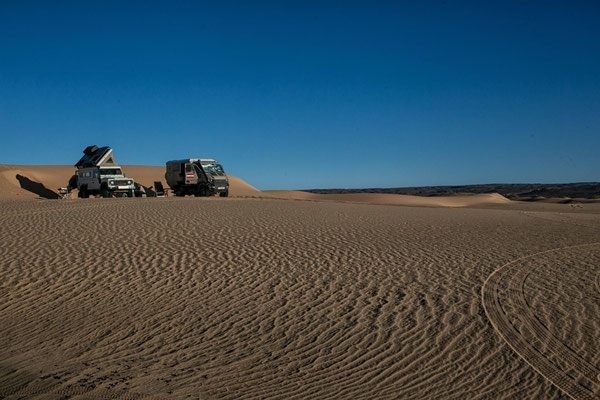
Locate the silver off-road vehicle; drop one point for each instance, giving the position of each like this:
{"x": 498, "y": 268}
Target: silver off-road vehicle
{"x": 197, "y": 176}
{"x": 98, "y": 173}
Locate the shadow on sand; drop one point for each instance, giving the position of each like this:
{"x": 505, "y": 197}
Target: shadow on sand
{"x": 36, "y": 187}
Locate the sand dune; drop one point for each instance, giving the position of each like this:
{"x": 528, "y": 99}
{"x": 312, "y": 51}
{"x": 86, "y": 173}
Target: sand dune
{"x": 54, "y": 176}
{"x": 258, "y": 297}
{"x": 51, "y": 176}
{"x": 393, "y": 199}
{"x": 265, "y": 298}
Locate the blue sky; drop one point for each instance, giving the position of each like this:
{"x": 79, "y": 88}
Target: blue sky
{"x": 309, "y": 94}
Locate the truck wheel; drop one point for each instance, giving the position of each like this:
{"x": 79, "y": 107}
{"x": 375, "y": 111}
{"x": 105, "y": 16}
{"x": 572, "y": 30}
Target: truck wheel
{"x": 104, "y": 193}
{"x": 224, "y": 194}
{"x": 176, "y": 191}
{"x": 73, "y": 182}
{"x": 130, "y": 193}
{"x": 200, "y": 191}
{"x": 83, "y": 193}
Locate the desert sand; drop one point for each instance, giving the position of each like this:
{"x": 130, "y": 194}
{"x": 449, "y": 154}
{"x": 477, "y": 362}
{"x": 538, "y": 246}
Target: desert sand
{"x": 292, "y": 295}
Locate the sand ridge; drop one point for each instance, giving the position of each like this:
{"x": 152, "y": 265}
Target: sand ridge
{"x": 264, "y": 298}
{"x": 394, "y": 199}
{"x": 51, "y": 177}
{"x": 54, "y": 176}
{"x": 46, "y": 179}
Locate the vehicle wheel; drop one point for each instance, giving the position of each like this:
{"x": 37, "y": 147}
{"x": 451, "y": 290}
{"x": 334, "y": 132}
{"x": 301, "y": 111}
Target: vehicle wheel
{"x": 204, "y": 191}
{"x": 130, "y": 193}
{"x": 224, "y": 194}
{"x": 83, "y": 193}
{"x": 73, "y": 182}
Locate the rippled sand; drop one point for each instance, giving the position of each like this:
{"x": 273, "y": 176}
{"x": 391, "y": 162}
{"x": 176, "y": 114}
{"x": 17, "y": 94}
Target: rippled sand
{"x": 282, "y": 299}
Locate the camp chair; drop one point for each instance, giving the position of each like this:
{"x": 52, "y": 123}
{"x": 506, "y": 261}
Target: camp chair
{"x": 64, "y": 193}
{"x": 158, "y": 188}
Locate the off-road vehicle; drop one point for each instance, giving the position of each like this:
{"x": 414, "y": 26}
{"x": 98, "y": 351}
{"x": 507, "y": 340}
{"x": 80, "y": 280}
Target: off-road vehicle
{"x": 98, "y": 173}
{"x": 197, "y": 176}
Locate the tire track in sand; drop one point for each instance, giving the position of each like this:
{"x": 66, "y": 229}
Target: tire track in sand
{"x": 81, "y": 393}
{"x": 19, "y": 386}
{"x": 505, "y": 312}
{"x": 14, "y": 385}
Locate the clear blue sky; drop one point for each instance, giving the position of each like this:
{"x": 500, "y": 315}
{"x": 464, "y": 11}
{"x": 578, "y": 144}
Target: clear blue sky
{"x": 309, "y": 94}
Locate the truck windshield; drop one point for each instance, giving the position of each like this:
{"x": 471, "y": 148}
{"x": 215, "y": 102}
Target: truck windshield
{"x": 215, "y": 169}
{"x": 111, "y": 171}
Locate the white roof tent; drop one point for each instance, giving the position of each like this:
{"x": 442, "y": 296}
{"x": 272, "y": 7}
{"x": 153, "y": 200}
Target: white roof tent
{"x": 94, "y": 156}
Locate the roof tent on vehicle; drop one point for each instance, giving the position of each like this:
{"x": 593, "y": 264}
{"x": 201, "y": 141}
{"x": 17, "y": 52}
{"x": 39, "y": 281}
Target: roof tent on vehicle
{"x": 94, "y": 156}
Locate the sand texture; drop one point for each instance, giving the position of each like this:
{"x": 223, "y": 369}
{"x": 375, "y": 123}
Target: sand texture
{"x": 544, "y": 306}
{"x": 259, "y": 297}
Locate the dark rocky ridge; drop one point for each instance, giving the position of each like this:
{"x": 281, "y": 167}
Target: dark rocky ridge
{"x": 518, "y": 191}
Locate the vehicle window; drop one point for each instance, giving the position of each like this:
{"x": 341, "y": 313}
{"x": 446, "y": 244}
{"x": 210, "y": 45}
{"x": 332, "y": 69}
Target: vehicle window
{"x": 188, "y": 168}
{"x": 215, "y": 169}
{"x": 110, "y": 171}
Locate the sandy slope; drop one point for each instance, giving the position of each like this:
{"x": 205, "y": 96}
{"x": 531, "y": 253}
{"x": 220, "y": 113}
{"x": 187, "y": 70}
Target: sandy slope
{"x": 51, "y": 176}
{"x": 55, "y": 176}
{"x": 394, "y": 199}
{"x": 264, "y": 298}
